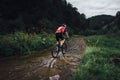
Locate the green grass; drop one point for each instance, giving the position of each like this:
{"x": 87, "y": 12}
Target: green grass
{"x": 21, "y": 43}
{"x": 98, "y": 60}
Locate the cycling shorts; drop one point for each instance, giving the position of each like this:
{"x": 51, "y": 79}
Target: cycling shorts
{"x": 59, "y": 36}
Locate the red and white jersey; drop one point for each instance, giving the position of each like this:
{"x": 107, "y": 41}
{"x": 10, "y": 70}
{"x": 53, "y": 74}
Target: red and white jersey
{"x": 60, "y": 29}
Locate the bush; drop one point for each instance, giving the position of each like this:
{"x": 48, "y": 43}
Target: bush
{"x": 21, "y": 43}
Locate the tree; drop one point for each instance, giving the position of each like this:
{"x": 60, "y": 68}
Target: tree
{"x": 118, "y": 19}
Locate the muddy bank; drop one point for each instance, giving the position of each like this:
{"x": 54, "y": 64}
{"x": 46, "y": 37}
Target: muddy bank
{"x": 42, "y": 68}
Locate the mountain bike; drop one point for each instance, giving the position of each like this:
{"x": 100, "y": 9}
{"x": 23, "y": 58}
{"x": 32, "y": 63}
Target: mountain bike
{"x": 59, "y": 49}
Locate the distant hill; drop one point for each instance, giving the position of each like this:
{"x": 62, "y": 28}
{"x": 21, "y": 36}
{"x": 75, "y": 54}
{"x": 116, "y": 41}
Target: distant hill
{"x": 97, "y": 22}
{"x": 113, "y": 26}
{"x": 102, "y": 24}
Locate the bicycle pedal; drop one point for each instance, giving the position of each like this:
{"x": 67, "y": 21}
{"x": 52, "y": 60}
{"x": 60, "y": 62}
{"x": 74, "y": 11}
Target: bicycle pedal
{"x": 55, "y": 57}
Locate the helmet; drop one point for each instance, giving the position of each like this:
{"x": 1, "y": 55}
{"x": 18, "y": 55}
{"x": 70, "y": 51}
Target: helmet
{"x": 64, "y": 25}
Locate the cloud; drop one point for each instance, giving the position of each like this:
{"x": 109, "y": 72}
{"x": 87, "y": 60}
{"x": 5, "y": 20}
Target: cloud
{"x": 96, "y": 7}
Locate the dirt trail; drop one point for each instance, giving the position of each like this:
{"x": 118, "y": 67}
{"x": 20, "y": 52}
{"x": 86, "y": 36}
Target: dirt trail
{"x": 44, "y": 68}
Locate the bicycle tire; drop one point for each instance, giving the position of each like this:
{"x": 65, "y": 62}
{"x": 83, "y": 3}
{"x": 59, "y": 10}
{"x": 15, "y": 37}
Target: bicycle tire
{"x": 55, "y": 53}
{"x": 64, "y": 47}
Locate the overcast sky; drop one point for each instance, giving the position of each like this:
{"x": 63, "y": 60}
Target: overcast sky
{"x": 96, "y": 7}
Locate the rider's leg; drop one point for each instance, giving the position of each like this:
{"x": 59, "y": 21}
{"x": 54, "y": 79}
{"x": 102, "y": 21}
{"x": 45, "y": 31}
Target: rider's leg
{"x": 62, "y": 39}
{"x": 57, "y": 43}
{"x": 57, "y": 38}
{"x": 62, "y": 42}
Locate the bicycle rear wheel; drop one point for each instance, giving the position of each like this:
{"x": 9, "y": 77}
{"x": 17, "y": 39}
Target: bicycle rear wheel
{"x": 55, "y": 52}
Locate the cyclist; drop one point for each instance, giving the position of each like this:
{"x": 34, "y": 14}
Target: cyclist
{"x": 60, "y": 33}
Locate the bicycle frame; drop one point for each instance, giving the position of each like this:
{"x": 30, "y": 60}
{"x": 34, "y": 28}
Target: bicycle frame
{"x": 55, "y": 52}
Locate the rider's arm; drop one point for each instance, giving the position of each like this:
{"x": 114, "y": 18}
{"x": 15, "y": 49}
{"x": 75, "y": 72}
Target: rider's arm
{"x": 67, "y": 34}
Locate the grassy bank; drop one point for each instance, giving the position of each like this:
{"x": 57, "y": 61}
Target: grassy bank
{"x": 101, "y": 59}
{"x": 23, "y": 43}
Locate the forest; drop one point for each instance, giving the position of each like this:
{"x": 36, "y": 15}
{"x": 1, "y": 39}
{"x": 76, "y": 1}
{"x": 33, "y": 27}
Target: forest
{"x": 37, "y": 16}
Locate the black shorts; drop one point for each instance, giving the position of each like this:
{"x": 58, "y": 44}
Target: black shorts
{"x": 59, "y": 36}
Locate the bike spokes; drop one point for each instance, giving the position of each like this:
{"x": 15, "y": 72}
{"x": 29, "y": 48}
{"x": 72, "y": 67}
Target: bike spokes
{"x": 59, "y": 49}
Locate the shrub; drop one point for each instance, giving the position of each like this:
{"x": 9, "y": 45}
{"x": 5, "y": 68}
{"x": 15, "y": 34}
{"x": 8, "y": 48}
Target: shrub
{"x": 21, "y": 43}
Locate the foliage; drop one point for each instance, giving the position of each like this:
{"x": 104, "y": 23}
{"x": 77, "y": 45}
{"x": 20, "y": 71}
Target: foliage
{"x": 103, "y": 24}
{"x": 21, "y": 43}
{"x": 47, "y": 26}
{"x": 36, "y": 15}
{"x": 97, "y": 23}
{"x": 98, "y": 61}
{"x": 118, "y": 19}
